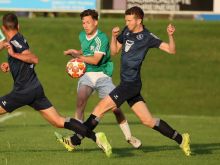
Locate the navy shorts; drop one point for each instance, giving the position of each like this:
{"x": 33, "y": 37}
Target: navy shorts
{"x": 127, "y": 91}
{"x": 34, "y": 98}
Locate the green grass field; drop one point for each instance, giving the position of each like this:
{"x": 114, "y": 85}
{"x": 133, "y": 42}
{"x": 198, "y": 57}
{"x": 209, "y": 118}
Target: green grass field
{"x": 182, "y": 89}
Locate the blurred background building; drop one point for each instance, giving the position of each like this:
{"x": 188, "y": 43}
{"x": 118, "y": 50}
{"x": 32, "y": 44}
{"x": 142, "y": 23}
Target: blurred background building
{"x": 198, "y": 9}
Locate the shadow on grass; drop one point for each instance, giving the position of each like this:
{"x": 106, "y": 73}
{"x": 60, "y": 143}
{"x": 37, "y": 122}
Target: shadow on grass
{"x": 208, "y": 148}
{"x": 25, "y": 125}
{"x": 115, "y": 123}
{"x": 117, "y": 152}
{"x": 197, "y": 149}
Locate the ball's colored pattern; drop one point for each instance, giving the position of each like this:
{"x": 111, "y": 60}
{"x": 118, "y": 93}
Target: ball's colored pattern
{"x": 75, "y": 68}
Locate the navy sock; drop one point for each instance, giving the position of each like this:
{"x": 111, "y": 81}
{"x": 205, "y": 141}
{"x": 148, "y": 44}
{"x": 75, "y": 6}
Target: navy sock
{"x": 90, "y": 123}
{"x": 76, "y": 139}
{"x": 162, "y": 127}
{"x": 79, "y": 128}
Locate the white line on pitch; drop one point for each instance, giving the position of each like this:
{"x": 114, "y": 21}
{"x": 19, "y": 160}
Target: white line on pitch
{"x": 9, "y": 116}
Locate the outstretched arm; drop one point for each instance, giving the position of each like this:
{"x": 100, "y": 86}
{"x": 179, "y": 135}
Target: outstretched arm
{"x": 2, "y": 45}
{"x": 26, "y": 56}
{"x": 94, "y": 60}
{"x": 115, "y": 45}
{"x": 72, "y": 52}
{"x": 169, "y": 47}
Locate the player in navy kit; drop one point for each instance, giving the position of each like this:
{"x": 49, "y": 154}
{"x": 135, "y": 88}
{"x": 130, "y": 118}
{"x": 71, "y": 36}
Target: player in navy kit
{"x": 135, "y": 41}
{"x": 27, "y": 89}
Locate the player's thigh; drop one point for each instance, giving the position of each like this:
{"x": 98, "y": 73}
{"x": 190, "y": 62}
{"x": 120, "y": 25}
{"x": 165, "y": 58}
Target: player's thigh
{"x": 40, "y": 101}
{"x": 53, "y": 117}
{"x": 124, "y": 92}
{"x": 2, "y": 111}
{"x": 13, "y": 101}
{"x": 42, "y": 104}
{"x": 103, "y": 106}
{"x": 83, "y": 92}
{"x": 84, "y": 81}
{"x": 142, "y": 112}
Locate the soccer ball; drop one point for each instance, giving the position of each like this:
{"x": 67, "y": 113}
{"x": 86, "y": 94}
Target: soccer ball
{"x": 75, "y": 68}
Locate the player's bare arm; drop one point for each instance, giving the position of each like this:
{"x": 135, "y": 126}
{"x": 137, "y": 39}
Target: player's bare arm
{"x": 73, "y": 52}
{"x": 115, "y": 45}
{"x": 26, "y": 56}
{"x": 94, "y": 60}
{"x": 169, "y": 47}
{"x": 5, "y": 67}
{"x": 2, "y": 45}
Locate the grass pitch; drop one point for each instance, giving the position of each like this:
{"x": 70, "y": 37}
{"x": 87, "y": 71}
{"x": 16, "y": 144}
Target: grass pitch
{"x": 28, "y": 139}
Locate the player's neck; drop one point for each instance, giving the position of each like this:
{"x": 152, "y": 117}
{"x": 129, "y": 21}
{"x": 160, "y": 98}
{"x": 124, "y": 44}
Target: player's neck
{"x": 89, "y": 36}
{"x": 11, "y": 34}
{"x": 138, "y": 29}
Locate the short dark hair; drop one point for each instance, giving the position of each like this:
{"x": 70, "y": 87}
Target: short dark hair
{"x": 10, "y": 21}
{"x": 89, "y": 12}
{"x": 137, "y": 11}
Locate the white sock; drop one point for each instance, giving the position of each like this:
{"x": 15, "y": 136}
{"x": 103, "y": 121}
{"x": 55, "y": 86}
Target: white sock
{"x": 126, "y": 130}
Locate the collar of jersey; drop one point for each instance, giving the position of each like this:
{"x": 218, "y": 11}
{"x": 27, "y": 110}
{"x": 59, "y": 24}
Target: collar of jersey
{"x": 15, "y": 36}
{"x": 92, "y": 36}
{"x": 144, "y": 29}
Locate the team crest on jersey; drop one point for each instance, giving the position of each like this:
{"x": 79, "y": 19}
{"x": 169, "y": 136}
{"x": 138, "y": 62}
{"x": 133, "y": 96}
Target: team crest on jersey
{"x": 16, "y": 44}
{"x": 128, "y": 45}
{"x": 140, "y": 36}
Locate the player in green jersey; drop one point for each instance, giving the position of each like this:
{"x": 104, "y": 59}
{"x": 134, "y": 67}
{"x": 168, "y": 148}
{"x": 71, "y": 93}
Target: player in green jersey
{"x": 95, "y": 52}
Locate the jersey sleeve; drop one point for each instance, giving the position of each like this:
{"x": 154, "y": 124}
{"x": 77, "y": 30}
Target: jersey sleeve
{"x": 154, "y": 41}
{"x": 102, "y": 44}
{"x": 19, "y": 45}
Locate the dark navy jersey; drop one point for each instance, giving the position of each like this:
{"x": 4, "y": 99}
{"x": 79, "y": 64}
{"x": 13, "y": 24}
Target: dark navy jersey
{"x": 23, "y": 73}
{"x": 134, "y": 49}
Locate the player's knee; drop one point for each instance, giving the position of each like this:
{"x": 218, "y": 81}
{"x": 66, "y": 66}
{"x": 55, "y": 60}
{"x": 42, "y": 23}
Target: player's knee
{"x": 117, "y": 111}
{"x": 2, "y": 111}
{"x": 148, "y": 122}
{"x": 119, "y": 115}
{"x": 58, "y": 124}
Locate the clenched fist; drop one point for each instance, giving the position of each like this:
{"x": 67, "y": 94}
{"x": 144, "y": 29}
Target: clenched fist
{"x": 170, "y": 29}
{"x": 115, "y": 31}
{"x": 5, "y": 67}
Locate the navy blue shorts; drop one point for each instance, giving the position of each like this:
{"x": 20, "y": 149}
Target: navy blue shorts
{"x": 34, "y": 98}
{"x": 127, "y": 91}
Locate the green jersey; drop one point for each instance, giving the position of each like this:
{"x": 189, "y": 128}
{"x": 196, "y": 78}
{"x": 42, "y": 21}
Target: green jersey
{"x": 99, "y": 43}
